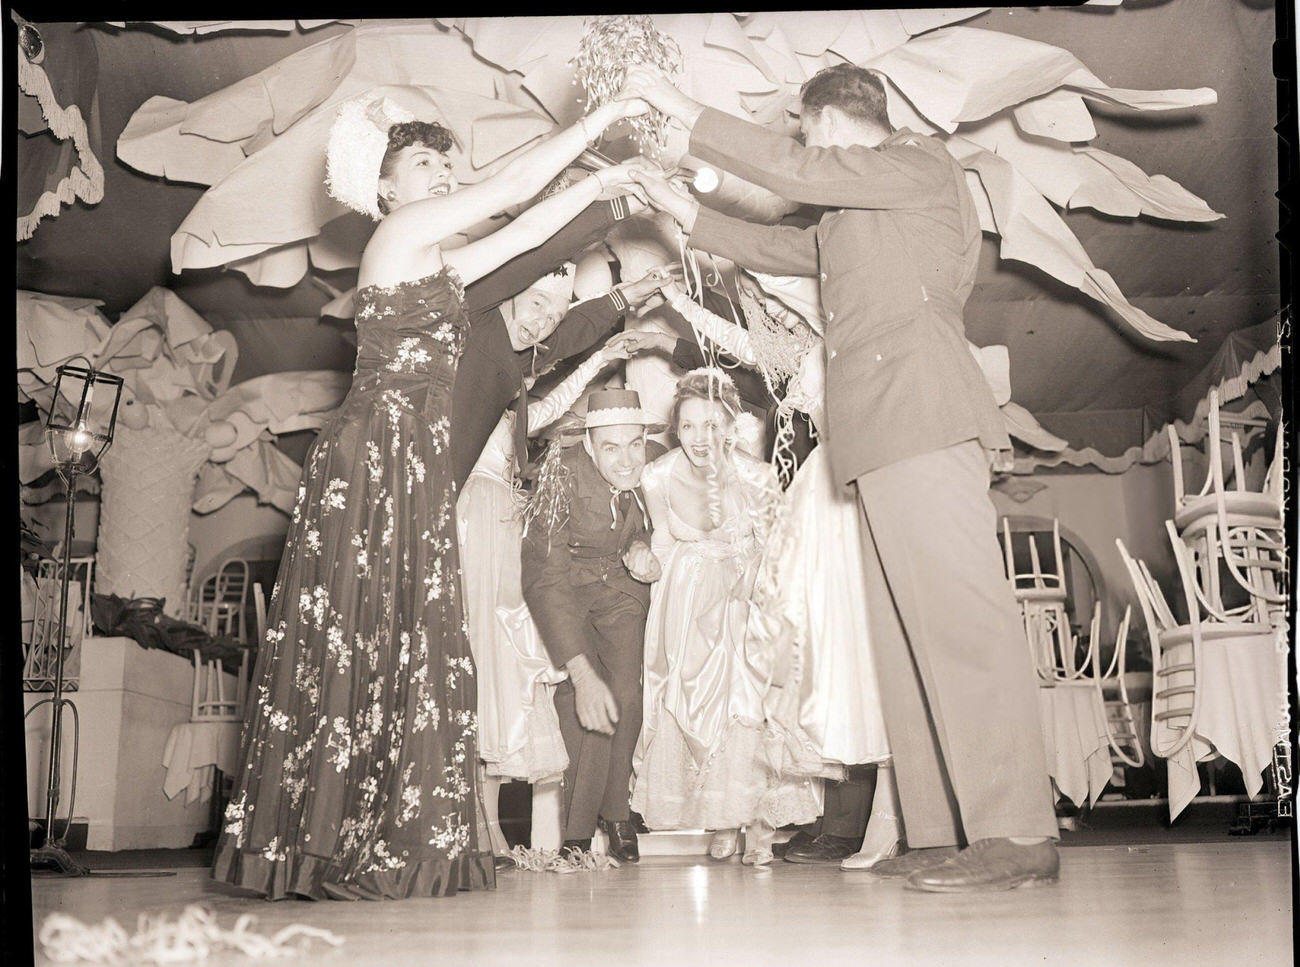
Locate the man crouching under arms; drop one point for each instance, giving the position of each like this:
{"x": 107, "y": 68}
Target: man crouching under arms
{"x": 586, "y": 564}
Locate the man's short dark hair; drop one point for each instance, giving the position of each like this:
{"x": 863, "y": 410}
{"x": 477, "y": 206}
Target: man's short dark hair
{"x": 856, "y": 91}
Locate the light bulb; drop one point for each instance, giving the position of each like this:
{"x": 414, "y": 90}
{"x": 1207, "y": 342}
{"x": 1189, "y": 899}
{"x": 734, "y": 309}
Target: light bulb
{"x": 80, "y": 441}
{"x": 706, "y": 180}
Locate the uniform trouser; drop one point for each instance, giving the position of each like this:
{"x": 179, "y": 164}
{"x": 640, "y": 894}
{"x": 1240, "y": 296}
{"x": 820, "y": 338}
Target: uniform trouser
{"x": 846, "y": 807}
{"x": 598, "y": 780}
{"x": 957, "y": 684}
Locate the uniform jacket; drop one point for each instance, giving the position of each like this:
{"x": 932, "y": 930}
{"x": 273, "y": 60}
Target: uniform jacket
{"x": 896, "y": 253}
{"x": 490, "y": 371}
{"x": 560, "y": 569}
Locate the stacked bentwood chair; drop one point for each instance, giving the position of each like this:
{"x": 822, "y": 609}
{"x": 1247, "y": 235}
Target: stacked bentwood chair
{"x": 201, "y": 755}
{"x": 218, "y": 605}
{"x": 1220, "y": 674}
{"x": 1088, "y": 717}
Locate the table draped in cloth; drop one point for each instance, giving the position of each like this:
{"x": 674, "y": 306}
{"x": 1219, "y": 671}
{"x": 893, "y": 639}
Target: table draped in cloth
{"x": 1243, "y": 682}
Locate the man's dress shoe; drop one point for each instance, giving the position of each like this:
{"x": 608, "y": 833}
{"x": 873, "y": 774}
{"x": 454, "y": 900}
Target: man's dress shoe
{"x": 800, "y": 838}
{"x": 580, "y": 845}
{"x": 503, "y": 863}
{"x": 824, "y": 849}
{"x": 621, "y": 837}
{"x": 991, "y": 864}
{"x": 912, "y": 861}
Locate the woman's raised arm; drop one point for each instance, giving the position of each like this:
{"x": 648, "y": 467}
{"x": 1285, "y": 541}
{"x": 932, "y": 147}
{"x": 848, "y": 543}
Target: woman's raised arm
{"x": 535, "y": 225}
{"x": 732, "y": 338}
{"x": 424, "y": 224}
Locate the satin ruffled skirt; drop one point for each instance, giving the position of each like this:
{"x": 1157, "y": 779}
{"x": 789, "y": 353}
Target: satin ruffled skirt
{"x": 519, "y": 731}
{"x": 839, "y": 694}
{"x": 701, "y": 758}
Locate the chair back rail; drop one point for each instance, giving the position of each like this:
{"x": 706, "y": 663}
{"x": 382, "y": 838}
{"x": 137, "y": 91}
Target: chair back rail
{"x": 1125, "y": 744}
{"x": 1165, "y": 666}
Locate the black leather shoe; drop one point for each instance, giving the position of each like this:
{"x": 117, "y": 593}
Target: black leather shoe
{"x": 621, "y": 836}
{"x": 503, "y": 863}
{"x": 799, "y": 840}
{"x": 824, "y": 849}
{"x": 988, "y": 865}
{"x": 581, "y": 845}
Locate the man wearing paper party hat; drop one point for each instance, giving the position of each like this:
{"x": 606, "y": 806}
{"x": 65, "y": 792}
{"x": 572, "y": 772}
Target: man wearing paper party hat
{"x": 587, "y": 565}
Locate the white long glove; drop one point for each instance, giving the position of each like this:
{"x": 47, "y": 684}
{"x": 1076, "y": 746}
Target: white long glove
{"x": 731, "y": 337}
{"x": 546, "y": 411}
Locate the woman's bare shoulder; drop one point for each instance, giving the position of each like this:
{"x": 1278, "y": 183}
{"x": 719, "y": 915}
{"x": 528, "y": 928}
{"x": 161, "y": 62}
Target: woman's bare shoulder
{"x": 658, "y": 469}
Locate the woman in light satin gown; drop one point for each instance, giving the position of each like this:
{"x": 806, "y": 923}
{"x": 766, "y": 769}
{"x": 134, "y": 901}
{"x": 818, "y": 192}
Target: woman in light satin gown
{"x": 699, "y": 761}
{"x": 829, "y": 708}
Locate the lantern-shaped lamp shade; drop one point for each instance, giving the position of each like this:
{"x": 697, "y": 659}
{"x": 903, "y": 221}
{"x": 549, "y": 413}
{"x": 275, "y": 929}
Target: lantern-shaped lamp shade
{"x": 82, "y": 417}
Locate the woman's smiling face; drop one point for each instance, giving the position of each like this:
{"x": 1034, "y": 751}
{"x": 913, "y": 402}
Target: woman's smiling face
{"x": 417, "y": 172}
{"x": 701, "y": 426}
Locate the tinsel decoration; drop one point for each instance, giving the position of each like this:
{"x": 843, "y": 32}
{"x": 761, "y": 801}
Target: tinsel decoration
{"x": 558, "y": 184}
{"x": 780, "y": 353}
{"x": 608, "y": 46}
{"x": 783, "y": 458}
{"x": 779, "y": 350}
{"x": 550, "y": 500}
{"x": 193, "y": 936}
{"x": 561, "y": 861}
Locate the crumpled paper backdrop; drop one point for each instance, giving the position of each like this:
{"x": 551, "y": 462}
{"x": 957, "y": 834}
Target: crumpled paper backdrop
{"x": 177, "y": 369}
{"x": 1012, "y": 110}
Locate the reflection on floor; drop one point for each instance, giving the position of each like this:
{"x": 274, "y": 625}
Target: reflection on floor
{"x": 1185, "y": 904}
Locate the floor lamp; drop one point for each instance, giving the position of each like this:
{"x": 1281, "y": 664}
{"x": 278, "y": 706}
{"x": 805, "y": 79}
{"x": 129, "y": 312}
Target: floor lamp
{"x": 79, "y": 430}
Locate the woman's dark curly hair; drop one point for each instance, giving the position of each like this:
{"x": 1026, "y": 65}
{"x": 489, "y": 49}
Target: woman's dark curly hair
{"x": 406, "y": 133}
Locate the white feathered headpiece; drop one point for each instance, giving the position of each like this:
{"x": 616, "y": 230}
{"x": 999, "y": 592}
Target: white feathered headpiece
{"x": 356, "y": 149}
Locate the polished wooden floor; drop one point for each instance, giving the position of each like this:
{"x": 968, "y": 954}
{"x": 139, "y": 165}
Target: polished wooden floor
{"x": 1184, "y": 904}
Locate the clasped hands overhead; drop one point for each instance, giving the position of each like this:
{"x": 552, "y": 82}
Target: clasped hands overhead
{"x": 639, "y": 177}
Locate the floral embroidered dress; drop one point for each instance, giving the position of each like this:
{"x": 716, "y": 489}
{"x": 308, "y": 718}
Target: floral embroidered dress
{"x": 359, "y": 752}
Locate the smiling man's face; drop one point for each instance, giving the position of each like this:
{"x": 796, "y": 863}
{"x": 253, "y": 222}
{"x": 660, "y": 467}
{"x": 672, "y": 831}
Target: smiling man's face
{"x": 534, "y": 316}
{"x": 619, "y": 454}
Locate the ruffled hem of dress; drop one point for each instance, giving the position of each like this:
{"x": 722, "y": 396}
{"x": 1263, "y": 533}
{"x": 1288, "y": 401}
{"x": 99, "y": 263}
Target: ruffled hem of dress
{"x": 301, "y": 875}
{"x": 672, "y": 792}
{"x": 519, "y": 767}
{"x": 542, "y": 755}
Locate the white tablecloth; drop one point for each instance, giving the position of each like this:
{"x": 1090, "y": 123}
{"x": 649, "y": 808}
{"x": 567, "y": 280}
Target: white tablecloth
{"x": 194, "y": 750}
{"x": 1074, "y": 738}
{"x": 1241, "y": 711}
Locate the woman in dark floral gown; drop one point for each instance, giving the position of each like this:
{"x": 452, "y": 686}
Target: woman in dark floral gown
{"x": 359, "y": 756}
